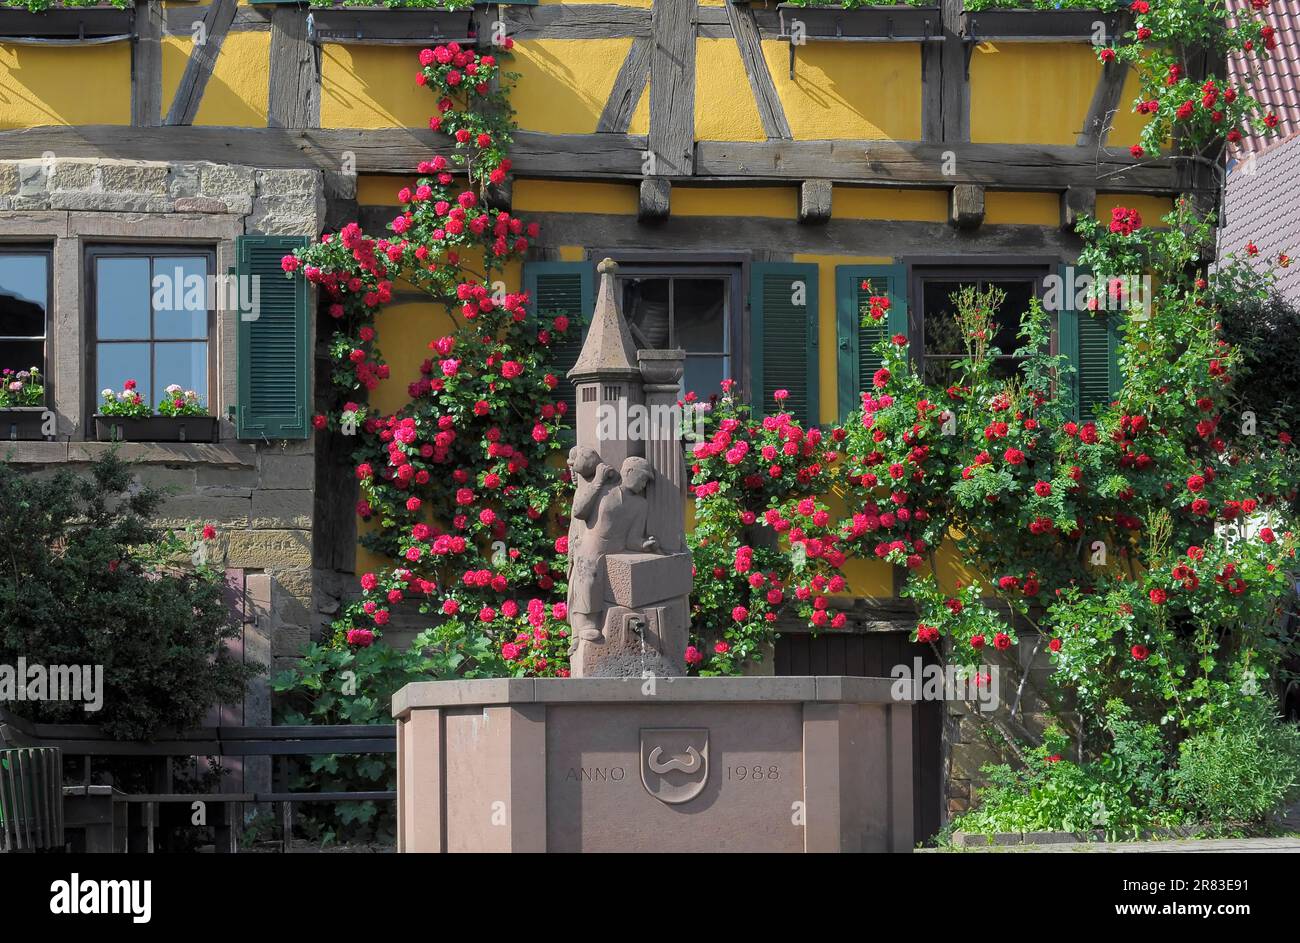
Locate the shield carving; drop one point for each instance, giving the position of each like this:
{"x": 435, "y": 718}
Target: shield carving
{"x": 674, "y": 762}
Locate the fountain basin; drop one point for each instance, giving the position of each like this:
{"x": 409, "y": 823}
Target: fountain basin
{"x": 656, "y": 764}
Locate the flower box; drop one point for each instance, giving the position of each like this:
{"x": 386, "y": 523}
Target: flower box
{"x": 390, "y": 25}
{"x": 23, "y": 423}
{"x": 67, "y": 23}
{"x": 1028, "y": 26}
{"x": 862, "y": 24}
{"x": 156, "y": 428}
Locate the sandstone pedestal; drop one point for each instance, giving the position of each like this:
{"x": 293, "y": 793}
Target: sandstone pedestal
{"x": 685, "y": 764}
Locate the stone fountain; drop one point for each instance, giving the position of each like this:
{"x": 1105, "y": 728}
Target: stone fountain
{"x": 628, "y": 754}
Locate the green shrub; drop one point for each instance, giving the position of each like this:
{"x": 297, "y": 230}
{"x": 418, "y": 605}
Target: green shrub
{"x": 1122, "y": 793}
{"x": 88, "y": 580}
{"x": 340, "y": 683}
{"x": 1230, "y": 778}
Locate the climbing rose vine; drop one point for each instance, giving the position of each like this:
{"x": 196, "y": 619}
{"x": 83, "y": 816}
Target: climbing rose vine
{"x": 456, "y": 483}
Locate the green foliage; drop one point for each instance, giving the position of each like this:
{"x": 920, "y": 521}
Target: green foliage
{"x": 342, "y": 684}
{"x": 87, "y": 579}
{"x": 22, "y": 388}
{"x": 1232, "y": 776}
{"x": 1122, "y": 793}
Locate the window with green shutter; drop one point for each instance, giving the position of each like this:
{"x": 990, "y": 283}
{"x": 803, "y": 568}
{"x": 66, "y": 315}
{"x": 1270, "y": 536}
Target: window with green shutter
{"x": 857, "y": 358}
{"x": 783, "y": 337}
{"x": 1090, "y": 342}
{"x": 274, "y": 348}
{"x": 562, "y": 288}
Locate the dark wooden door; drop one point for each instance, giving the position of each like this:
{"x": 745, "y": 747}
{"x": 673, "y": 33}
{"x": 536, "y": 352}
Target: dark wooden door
{"x": 873, "y": 655}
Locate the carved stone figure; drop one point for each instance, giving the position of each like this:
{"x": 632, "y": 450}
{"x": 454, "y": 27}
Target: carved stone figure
{"x": 630, "y": 573}
{"x": 613, "y": 520}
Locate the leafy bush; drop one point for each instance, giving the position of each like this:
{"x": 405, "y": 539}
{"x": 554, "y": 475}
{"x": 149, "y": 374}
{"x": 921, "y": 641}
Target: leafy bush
{"x": 1123, "y": 793}
{"x": 88, "y": 581}
{"x": 354, "y": 683}
{"x": 1231, "y": 777}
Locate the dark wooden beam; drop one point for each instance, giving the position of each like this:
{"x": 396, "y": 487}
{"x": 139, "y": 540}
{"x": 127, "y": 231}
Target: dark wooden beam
{"x": 931, "y": 91}
{"x": 576, "y": 21}
{"x": 966, "y": 206}
{"x": 910, "y": 163}
{"x": 655, "y": 199}
{"x": 672, "y": 88}
{"x": 1105, "y": 103}
{"x": 815, "y": 201}
{"x": 293, "y": 100}
{"x": 180, "y": 20}
{"x": 146, "y": 65}
{"x": 629, "y": 85}
{"x": 399, "y": 27}
{"x": 955, "y": 75}
{"x": 869, "y": 237}
{"x": 619, "y": 156}
{"x": 1076, "y": 203}
{"x": 750, "y": 44}
{"x": 203, "y": 58}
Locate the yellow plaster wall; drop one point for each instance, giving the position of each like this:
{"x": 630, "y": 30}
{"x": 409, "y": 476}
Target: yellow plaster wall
{"x": 237, "y": 90}
{"x": 372, "y": 87}
{"x": 1035, "y": 209}
{"x": 849, "y": 90}
{"x": 564, "y": 83}
{"x": 764, "y": 202}
{"x": 564, "y": 196}
{"x": 51, "y": 85}
{"x": 929, "y": 206}
{"x": 1033, "y": 93}
{"x": 724, "y": 103}
{"x": 1150, "y": 208}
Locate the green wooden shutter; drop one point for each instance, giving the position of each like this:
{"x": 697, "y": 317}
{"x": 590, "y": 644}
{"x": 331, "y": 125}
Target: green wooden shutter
{"x": 273, "y": 366}
{"x": 1090, "y": 342}
{"x": 857, "y": 360}
{"x": 562, "y": 288}
{"x": 783, "y": 337}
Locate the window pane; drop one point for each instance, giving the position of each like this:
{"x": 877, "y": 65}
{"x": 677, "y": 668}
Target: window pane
{"x": 117, "y": 363}
{"x": 180, "y": 297}
{"x": 22, "y": 355}
{"x": 122, "y": 298}
{"x": 1014, "y": 306}
{"x": 24, "y": 286}
{"x": 942, "y": 334}
{"x": 704, "y": 375}
{"x": 645, "y": 306}
{"x": 186, "y": 365}
{"x": 699, "y": 314}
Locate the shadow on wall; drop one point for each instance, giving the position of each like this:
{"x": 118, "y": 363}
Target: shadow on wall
{"x": 46, "y": 85}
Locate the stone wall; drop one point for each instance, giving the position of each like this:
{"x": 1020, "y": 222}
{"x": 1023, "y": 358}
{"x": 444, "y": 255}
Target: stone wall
{"x": 259, "y": 496}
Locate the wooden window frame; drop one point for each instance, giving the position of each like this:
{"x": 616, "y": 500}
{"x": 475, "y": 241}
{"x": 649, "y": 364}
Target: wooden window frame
{"x": 150, "y": 251}
{"x": 37, "y": 248}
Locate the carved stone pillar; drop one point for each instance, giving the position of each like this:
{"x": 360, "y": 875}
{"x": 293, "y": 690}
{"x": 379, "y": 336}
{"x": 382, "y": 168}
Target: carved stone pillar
{"x": 661, "y": 373}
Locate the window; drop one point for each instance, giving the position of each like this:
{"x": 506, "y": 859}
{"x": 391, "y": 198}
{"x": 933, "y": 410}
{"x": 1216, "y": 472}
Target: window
{"x": 686, "y": 307}
{"x": 24, "y": 309}
{"x": 936, "y": 337}
{"x": 151, "y": 317}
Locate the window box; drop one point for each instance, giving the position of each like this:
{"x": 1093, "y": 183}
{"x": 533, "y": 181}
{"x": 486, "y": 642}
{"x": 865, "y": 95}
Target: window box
{"x": 1028, "y": 26}
{"x": 156, "y": 428}
{"x": 69, "y": 24}
{"x": 22, "y": 424}
{"x": 863, "y": 24}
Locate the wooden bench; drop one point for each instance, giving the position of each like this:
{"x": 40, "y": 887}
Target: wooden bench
{"x": 112, "y": 820}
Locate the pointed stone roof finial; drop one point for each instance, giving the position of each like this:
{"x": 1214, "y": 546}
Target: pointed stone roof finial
{"x": 608, "y": 350}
